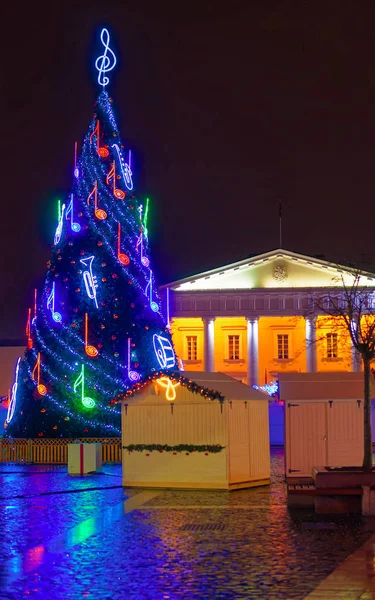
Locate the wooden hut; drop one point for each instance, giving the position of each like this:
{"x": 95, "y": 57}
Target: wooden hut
{"x": 323, "y": 420}
{"x": 208, "y": 431}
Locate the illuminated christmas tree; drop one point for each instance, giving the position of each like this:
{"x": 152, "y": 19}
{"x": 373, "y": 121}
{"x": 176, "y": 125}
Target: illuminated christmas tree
{"x": 97, "y": 329}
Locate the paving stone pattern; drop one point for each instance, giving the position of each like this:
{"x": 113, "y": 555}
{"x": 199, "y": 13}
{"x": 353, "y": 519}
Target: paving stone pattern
{"x": 185, "y": 545}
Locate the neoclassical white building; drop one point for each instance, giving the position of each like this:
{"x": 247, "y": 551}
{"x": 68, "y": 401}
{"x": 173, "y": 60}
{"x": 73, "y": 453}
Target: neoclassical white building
{"x": 253, "y": 319}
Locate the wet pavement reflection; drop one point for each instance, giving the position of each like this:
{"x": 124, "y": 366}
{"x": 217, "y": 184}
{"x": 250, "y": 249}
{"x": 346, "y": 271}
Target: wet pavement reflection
{"x": 86, "y": 537}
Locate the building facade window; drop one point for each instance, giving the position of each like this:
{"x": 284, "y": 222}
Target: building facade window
{"x": 233, "y": 347}
{"x": 192, "y": 347}
{"x": 282, "y": 346}
{"x": 332, "y": 347}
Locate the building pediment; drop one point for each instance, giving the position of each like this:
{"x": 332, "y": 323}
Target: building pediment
{"x": 272, "y": 270}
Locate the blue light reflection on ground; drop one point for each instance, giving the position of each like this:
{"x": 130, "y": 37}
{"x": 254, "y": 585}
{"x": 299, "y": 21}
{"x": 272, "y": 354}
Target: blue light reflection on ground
{"x": 62, "y": 538}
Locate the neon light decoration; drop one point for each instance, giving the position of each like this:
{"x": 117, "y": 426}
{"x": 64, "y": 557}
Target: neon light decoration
{"x": 28, "y": 330}
{"x": 168, "y": 310}
{"x": 35, "y": 294}
{"x": 103, "y": 152}
{"x": 148, "y": 291}
{"x": 170, "y": 392}
{"x": 164, "y": 351}
{"x": 74, "y": 226}
{"x": 90, "y": 350}
{"x": 144, "y": 221}
{"x": 144, "y": 260}
{"x": 13, "y": 399}
{"x": 76, "y": 170}
{"x": 123, "y": 258}
{"x": 59, "y": 227}
{"x": 42, "y": 390}
{"x": 56, "y": 316}
{"x": 86, "y": 400}
{"x": 133, "y": 375}
{"x": 270, "y": 388}
{"x": 89, "y": 279}
{"x": 105, "y": 63}
{"x": 99, "y": 213}
{"x": 112, "y": 175}
{"x": 125, "y": 168}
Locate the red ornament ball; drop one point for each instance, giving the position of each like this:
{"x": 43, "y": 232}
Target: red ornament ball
{"x": 72, "y": 262}
{"x": 132, "y": 305}
{"x": 104, "y": 279}
{"x": 115, "y": 316}
{"x": 104, "y": 264}
{"x": 78, "y": 290}
{"x": 82, "y": 252}
{"x": 114, "y": 276}
{"x": 100, "y": 243}
{"x": 75, "y": 310}
{"x": 100, "y": 345}
{"x": 102, "y": 326}
{"x": 113, "y": 337}
{"x": 80, "y": 214}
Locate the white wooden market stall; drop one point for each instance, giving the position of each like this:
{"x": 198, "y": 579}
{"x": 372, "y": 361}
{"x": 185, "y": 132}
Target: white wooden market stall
{"x": 323, "y": 420}
{"x": 193, "y": 441}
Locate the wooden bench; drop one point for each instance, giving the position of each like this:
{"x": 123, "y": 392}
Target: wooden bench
{"x": 307, "y": 496}
{"x": 310, "y": 490}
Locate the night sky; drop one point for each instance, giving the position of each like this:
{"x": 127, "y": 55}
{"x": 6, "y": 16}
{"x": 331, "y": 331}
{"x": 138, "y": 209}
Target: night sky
{"x": 229, "y": 107}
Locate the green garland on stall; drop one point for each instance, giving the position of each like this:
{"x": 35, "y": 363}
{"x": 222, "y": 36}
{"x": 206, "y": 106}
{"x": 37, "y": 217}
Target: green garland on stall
{"x": 189, "y": 448}
{"x": 191, "y": 385}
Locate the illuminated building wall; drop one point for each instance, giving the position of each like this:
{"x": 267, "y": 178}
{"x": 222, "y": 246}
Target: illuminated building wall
{"x": 254, "y": 333}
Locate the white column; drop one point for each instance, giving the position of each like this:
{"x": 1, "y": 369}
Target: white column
{"x": 209, "y": 344}
{"x": 310, "y": 344}
{"x": 252, "y": 350}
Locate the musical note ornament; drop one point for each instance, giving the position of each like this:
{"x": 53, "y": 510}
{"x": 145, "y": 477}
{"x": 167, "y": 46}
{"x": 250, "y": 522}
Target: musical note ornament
{"x": 89, "y": 279}
{"x": 28, "y": 330}
{"x": 123, "y": 258}
{"x": 86, "y": 400}
{"x": 148, "y": 291}
{"x": 42, "y": 390}
{"x": 170, "y": 392}
{"x": 144, "y": 260}
{"x": 99, "y": 213}
{"x": 125, "y": 168}
{"x": 13, "y": 396}
{"x": 164, "y": 351}
{"x": 76, "y": 170}
{"x": 106, "y": 62}
{"x": 59, "y": 227}
{"x": 112, "y": 175}
{"x": 90, "y": 350}
{"x": 133, "y": 375}
{"x": 74, "y": 226}
{"x": 56, "y": 316}
{"x": 101, "y": 150}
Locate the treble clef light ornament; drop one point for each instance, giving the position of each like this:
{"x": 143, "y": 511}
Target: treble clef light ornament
{"x": 107, "y": 61}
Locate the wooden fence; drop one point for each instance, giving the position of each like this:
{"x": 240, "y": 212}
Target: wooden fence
{"x": 53, "y": 451}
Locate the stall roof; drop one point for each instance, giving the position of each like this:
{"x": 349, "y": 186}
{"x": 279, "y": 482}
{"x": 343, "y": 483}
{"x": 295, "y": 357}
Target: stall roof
{"x": 230, "y": 388}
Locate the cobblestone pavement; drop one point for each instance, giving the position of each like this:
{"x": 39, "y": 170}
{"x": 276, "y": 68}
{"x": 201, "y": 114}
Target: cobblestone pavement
{"x": 69, "y": 538}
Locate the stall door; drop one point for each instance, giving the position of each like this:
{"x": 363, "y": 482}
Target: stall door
{"x": 306, "y": 438}
{"x": 345, "y": 434}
